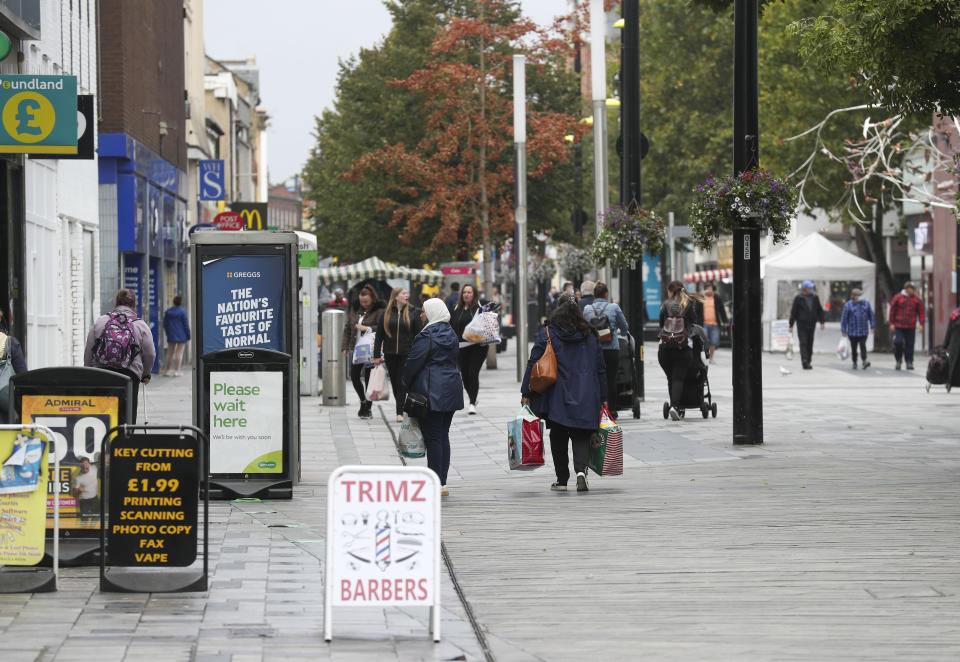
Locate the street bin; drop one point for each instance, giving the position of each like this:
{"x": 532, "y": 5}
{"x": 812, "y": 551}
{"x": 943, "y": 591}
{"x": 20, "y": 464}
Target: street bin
{"x": 334, "y": 362}
{"x": 253, "y": 443}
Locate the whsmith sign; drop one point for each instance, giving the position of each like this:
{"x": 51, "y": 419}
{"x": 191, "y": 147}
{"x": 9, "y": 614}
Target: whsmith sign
{"x": 38, "y": 114}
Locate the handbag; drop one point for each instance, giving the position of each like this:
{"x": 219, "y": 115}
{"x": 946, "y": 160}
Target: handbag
{"x": 418, "y": 404}
{"x": 544, "y": 372}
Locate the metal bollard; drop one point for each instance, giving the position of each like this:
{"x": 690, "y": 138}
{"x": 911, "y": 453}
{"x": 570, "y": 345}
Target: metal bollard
{"x": 334, "y": 363}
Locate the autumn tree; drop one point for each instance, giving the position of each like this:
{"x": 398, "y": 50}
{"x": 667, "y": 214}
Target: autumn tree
{"x": 455, "y": 185}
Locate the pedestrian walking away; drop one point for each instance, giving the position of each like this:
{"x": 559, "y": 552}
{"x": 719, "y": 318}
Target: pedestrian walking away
{"x": 587, "y": 287}
{"x": 122, "y": 342}
{"x": 363, "y": 316}
{"x": 906, "y": 316}
{"x": 856, "y": 323}
{"x": 805, "y": 313}
{"x": 571, "y": 406}
{"x": 471, "y": 356}
{"x": 431, "y": 370}
{"x": 951, "y": 342}
{"x": 714, "y": 317}
{"x": 678, "y": 315}
{"x": 602, "y": 309}
{"x": 453, "y": 297}
{"x": 12, "y": 362}
{"x": 398, "y": 325}
{"x": 176, "y": 326}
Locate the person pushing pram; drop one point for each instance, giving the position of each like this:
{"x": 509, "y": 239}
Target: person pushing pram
{"x": 682, "y": 354}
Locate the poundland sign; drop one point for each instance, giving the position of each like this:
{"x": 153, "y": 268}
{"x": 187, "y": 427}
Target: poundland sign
{"x": 38, "y": 114}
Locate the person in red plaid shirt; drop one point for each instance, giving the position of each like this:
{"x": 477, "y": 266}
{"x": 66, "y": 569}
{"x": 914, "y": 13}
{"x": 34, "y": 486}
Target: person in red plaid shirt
{"x": 906, "y": 310}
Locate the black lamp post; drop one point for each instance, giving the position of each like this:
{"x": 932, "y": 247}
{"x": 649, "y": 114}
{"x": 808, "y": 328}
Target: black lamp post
{"x": 747, "y": 373}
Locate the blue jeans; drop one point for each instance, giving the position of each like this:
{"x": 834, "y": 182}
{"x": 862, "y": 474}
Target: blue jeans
{"x": 903, "y": 340}
{"x": 713, "y": 334}
{"x": 435, "y": 426}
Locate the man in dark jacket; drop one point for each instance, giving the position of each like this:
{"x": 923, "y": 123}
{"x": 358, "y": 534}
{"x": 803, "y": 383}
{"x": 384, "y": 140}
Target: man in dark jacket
{"x": 587, "y": 298}
{"x": 952, "y": 343}
{"x": 805, "y": 313}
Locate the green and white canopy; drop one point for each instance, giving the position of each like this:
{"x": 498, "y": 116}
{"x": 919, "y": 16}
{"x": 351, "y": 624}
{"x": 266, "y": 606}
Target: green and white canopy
{"x": 374, "y": 267}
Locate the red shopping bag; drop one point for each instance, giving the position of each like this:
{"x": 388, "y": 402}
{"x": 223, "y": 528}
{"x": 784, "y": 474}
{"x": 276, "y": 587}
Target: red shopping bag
{"x": 525, "y": 440}
{"x": 606, "y": 447}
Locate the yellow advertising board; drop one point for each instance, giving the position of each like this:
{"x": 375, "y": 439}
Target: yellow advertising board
{"x": 79, "y": 423}
{"x": 23, "y": 496}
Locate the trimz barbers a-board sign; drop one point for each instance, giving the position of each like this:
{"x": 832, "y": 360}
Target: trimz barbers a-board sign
{"x": 383, "y": 540}
{"x": 245, "y": 307}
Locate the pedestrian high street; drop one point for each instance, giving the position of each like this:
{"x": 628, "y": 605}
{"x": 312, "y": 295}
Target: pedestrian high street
{"x": 834, "y": 540}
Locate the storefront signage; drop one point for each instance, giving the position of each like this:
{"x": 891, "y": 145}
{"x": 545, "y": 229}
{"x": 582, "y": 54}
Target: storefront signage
{"x": 38, "y": 114}
{"x": 228, "y": 220}
{"x": 79, "y": 423}
{"x": 383, "y": 539}
{"x": 211, "y": 175}
{"x": 243, "y": 302}
{"x": 253, "y": 214}
{"x": 246, "y": 427}
{"x": 154, "y": 481}
{"x": 23, "y": 496}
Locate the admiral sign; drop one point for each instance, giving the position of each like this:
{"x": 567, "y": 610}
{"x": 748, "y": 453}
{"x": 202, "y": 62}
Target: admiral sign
{"x": 38, "y": 114}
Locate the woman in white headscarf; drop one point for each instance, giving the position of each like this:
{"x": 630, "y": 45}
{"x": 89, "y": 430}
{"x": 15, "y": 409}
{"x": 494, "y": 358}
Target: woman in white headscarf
{"x": 431, "y": 369}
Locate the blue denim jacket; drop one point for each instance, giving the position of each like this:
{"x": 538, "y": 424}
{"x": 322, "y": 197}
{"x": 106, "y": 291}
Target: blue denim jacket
{"x": 618, "y": 321}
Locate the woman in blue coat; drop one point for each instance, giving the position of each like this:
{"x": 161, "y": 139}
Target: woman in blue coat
{"x": 571, "y": 407}
{"x": 431, "y": 369}
{"x": 177, "y": 327}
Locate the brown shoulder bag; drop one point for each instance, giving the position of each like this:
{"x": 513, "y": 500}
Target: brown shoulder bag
{"x": 544, "y": 372}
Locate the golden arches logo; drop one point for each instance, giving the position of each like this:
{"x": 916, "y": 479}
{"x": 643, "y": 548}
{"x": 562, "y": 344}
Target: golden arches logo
{"x": 251, "y": 219}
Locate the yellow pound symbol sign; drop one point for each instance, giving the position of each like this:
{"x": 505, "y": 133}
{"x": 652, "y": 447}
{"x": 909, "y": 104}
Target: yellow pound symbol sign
{"x": 29, "y": 117}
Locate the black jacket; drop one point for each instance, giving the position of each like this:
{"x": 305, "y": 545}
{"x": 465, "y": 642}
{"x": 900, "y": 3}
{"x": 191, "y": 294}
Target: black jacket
{"x": 952, "y": 343}
{"x": 806, "y": 310}
{"x": 401, "y": 334}
{"x": 460, "y": 317}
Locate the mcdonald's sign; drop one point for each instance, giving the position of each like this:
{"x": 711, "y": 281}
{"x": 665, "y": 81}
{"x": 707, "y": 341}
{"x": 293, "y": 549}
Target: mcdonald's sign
{"x": 254, "y": 214}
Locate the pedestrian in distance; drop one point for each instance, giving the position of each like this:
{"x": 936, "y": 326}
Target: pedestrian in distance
{"x": 805, "y": 313}
{"x": 177, "y": 327}
{"x": 453, "y": 297}
{"x": 714, "y": 317}
{"x": 587, "y": 294}
{"x": 122, "y": 342}
{"x": 856, "y": 323}
{"x": 906, "y": 311}
{"x": 604, "y": 314}
{"x": 571, "y": 406}
{"x": 363, "y": 316}
{"x": 399, "y": 324}
{"x": 338, "y": 299}
{"x": 678, "y": 315}
{"x": 12, "y": 360}
{"x": 431, "y": 369}
{"x": 471, "y": 356}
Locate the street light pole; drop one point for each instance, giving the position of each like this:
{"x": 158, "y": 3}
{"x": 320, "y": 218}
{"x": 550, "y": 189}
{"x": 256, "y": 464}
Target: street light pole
{"x": 598, "y": 76}
{"x": 747, "y": 373}
{"x": 520, "y": 147}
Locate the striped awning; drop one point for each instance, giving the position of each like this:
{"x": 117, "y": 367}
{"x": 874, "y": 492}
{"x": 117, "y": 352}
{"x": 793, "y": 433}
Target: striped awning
{"x": 709, "y": 274}
{"x": 374, "y": 267}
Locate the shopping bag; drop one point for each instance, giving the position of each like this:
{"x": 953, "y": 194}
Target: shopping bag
{"x": 483, "y": 329}
{"x": 411, "y": 438}
{"x": 843, "y": 348}
{"x": 363, "y": 350}
{"x": 378, "y": 386}
{"x": 606, "y": 447}
{"x": 525, "y": 440}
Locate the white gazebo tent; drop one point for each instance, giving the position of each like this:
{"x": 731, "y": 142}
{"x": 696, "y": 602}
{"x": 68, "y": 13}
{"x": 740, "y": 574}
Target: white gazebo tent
{"x": 818, "y": 259}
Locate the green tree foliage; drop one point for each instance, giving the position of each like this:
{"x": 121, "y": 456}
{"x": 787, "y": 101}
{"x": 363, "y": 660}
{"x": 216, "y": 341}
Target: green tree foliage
{"x": 906, "y": 50}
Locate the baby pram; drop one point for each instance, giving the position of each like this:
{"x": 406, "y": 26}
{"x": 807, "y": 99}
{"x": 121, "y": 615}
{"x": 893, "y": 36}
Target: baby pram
{"x": 628, "y": 376}
{"x": 696, "y": 386}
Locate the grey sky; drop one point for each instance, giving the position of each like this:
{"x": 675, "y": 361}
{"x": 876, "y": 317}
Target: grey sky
{"x": 298, "y": 44}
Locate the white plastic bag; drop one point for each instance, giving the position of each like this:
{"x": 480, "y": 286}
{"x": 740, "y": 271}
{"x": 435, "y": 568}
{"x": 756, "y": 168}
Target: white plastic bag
{"x": 411, "y": 438}
{"x": 378, "y": 386}
{"x": 843, "y": 348}
{"x": 363, "y": 350}
{"x": 483, "y": 329}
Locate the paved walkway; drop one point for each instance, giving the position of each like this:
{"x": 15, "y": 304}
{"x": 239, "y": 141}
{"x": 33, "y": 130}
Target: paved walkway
{"x": 835, "y": 540}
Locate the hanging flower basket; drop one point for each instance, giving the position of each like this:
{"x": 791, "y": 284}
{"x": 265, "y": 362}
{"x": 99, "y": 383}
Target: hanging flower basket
{"x": 575, "y": 262}
{"x": 542, "y": 269}
{"x": 626, "y": 236}
{"x": 723, "y": 205}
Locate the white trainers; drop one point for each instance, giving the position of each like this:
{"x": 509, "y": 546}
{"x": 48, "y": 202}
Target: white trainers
{"x": 472, "y": 409}
{"x": 674, "y": 414}
{"x": 582, "y": 482}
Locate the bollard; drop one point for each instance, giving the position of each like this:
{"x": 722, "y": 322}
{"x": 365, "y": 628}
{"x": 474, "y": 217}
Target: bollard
{"x": 334, "y": 363}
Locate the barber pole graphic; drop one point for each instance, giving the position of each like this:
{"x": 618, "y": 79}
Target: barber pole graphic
{"x": 383, "y": 540}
